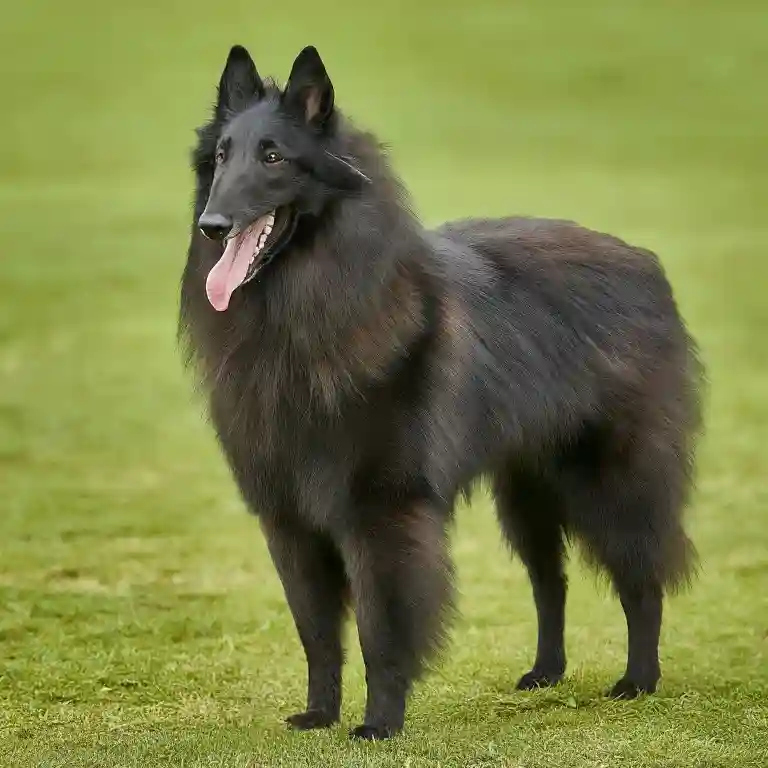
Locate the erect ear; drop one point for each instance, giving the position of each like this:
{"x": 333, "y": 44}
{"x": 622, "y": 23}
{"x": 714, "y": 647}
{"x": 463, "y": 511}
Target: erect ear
{"x": 240, "y": 83}
{"x": 309, "y": 93}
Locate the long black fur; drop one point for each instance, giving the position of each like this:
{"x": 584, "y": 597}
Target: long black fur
{"x": 375, "y": 369}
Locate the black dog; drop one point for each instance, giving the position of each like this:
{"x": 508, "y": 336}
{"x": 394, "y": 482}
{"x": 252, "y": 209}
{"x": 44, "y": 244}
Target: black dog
{"x": 362, "y": 372}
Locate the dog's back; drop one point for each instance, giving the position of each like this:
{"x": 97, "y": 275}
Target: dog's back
{"x": 563, "y": 326}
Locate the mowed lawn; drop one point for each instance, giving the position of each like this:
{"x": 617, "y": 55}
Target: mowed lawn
{"x": 141, "y": 623}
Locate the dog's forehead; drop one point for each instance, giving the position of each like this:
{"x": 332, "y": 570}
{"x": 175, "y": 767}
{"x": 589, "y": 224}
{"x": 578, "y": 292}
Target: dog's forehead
{"x": 256, "y": 122}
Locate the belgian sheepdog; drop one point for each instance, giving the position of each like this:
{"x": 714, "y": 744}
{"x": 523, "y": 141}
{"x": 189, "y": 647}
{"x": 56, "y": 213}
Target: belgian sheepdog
{"x": 362, "y": 371}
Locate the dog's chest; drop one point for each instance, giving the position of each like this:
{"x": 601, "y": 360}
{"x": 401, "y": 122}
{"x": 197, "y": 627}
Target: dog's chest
{"x": 298, "y": 438}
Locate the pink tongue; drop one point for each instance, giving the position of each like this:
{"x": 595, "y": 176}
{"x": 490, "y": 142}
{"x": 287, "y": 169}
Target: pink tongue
{"x": 230, "y": 270}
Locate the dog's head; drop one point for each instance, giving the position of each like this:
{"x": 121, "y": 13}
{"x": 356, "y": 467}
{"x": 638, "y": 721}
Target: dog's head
{"x": 273, "y": 160}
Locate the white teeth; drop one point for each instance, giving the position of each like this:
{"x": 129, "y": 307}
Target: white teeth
{"x": 268, "y": 229}
{"x": 271, "y": 218}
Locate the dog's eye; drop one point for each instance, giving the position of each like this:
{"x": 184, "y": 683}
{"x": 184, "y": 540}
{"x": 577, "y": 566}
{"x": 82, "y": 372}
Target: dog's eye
{"x": 272, "y": 157}
{"x": 219, "y": 156}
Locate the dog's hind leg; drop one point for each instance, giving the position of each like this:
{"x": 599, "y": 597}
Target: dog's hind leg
{"x": 625, "y": 505}
{"x": 529, "y": 512}
{"x": 315, "y": 585}
{"x": 642, "y": 609}
{"x": 401, "y": 580}
{"x": 620, "y": 540}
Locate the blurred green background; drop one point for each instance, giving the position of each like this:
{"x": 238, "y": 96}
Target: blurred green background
{"x": 141, "y": 623}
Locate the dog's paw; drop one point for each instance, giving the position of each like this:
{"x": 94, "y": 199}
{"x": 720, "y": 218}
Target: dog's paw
{"x": 312, "y": 718}
{"x": 373, "y": 732}
{"x": 629, "y": 689}
{"x": 538, "y": 679}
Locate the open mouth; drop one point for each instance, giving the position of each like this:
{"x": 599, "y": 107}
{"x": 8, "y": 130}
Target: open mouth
{"x": 247, "y": 253}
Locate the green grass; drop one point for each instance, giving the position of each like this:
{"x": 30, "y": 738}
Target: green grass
{"x": 141, "y": 623}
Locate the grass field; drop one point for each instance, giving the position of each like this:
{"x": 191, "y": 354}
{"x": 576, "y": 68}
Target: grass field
{"x": 141, "y": 623}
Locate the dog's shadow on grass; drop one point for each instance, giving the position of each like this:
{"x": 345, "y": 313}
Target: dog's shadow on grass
{"x": 562, "y": 702}
{"x": 571, "y": 697}
{"x": 564, "y": 698}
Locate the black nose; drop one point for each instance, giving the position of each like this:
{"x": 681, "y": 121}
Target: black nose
{"x": 214, "y": 226}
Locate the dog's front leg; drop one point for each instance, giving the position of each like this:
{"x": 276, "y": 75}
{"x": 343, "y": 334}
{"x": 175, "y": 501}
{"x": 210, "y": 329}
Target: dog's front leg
{"x": 400, "y": 576}
{"x": 312, "y": 574}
